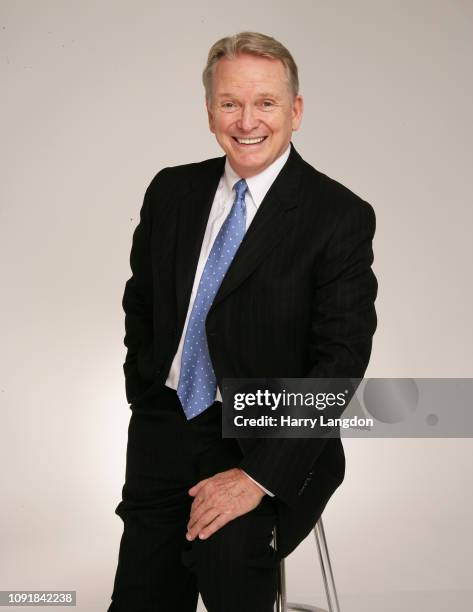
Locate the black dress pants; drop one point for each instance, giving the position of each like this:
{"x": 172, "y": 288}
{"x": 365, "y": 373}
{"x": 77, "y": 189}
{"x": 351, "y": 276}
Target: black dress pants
{"x": 235, "y": 569}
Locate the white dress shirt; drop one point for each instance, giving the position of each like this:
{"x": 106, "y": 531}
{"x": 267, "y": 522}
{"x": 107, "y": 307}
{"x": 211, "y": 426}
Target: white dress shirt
{"x": 258, "y": 186}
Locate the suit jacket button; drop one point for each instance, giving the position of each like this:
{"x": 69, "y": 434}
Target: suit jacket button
{"x": 302, "y": 489}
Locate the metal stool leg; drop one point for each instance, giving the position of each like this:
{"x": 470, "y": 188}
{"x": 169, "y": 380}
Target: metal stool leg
{"x": 281, "y": 593}
{"x": 281, "y": 604}
{"x": 327, "y": 574}
{"x": 326, "y": 567}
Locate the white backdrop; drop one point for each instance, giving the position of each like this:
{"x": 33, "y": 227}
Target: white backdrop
{"x": 99, "y": 96}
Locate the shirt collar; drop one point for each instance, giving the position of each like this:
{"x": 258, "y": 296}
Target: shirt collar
{"x": 259, "y": 184}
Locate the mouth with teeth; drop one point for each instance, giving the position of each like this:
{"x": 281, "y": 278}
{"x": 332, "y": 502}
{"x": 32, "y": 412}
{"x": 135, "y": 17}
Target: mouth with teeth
{"x": 249, "y": 142}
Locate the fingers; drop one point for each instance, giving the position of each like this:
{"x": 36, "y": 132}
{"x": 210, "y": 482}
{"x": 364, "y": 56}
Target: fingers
{"x": 215, "y": 525}
{"x": 198, "y": 501}
{"x": 198, "y": 527}
{"x": 197, "y": 511}
{"x": 197, "y": 487}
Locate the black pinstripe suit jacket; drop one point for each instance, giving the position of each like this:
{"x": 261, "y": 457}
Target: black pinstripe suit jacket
{"x": 297, "y": 301}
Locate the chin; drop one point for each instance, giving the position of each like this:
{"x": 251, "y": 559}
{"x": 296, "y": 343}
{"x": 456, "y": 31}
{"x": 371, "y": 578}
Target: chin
{"x": 249, "y": 164}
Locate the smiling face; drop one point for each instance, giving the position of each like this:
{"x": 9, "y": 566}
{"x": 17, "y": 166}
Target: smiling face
{"x": 252, "y": 111}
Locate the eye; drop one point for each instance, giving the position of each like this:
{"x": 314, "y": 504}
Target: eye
{"x": 228, "y": 106}
{"x": 268, "y": 103}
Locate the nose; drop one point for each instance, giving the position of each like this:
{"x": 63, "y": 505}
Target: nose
{"x": 248, "y": 120}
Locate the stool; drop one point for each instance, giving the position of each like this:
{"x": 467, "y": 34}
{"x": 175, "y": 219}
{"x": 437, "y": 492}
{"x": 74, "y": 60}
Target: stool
{"x": 330, "y": 591}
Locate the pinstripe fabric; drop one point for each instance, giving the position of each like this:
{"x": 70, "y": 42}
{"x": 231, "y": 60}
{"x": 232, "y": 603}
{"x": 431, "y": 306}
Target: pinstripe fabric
{"x": 303, "y": 269}
{"x": 159, "y": 570}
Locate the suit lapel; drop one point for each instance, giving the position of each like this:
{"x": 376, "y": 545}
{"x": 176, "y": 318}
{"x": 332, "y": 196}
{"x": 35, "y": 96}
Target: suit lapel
{"x": 194, "y": 212}
{"x": 268, "y": 227}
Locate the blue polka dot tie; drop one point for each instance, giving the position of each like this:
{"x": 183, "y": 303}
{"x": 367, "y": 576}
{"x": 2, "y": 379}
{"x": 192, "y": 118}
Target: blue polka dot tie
{"x": 197, "y": 383}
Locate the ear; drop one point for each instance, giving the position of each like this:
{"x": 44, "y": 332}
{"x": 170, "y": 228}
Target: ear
{"x": 210, "y": 117}
{"x": 297, "y": 112}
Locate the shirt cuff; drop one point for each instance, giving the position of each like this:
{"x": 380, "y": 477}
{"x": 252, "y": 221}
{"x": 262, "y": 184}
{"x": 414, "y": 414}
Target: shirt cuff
{"x": 259, "y": 485}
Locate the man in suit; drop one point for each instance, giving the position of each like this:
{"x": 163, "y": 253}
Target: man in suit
{"x": 249, "y": 265}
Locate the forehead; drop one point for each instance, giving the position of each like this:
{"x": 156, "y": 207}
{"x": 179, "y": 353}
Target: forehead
{"x": 249, "y": 73}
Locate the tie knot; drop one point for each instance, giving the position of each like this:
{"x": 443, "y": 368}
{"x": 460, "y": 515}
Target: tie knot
{"x": 240, "y": 189}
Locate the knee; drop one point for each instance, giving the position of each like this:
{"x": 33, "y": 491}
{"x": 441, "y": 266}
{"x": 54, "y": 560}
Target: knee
{"x": 244, "y": 541}
{"x": 236, "y": 567}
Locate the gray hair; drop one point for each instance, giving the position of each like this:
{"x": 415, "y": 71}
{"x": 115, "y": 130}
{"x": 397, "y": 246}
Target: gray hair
{"x": 252, "y": 43}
